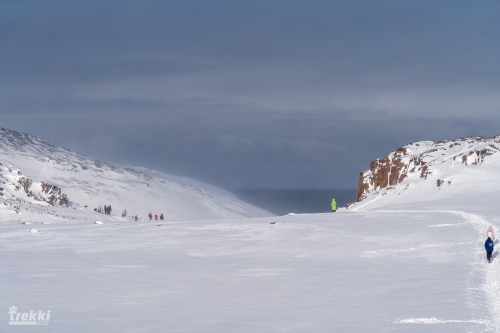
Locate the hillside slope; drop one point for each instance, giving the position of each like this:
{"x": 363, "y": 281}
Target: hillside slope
{"x": 28, "y": 163}
{"x": 429, "y": 170}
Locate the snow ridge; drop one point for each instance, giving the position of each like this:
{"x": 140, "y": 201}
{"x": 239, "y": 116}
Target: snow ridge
{"x": 47, "y": 174}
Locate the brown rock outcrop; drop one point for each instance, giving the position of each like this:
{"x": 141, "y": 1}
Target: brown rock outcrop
{"x": 50, "y": 193}
{"x": 419, "y": 159}
{"x": 387, "y": 171}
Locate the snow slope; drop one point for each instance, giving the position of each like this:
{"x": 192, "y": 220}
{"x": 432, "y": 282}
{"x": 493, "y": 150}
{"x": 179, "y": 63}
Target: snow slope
{"x": 88, "y": 182}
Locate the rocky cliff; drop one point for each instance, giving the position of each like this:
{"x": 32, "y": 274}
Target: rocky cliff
{"x": 436, "y": 161}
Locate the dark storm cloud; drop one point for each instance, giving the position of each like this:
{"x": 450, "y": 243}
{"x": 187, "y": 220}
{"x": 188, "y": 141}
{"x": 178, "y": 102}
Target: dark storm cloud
{"x": 249, "y": 93}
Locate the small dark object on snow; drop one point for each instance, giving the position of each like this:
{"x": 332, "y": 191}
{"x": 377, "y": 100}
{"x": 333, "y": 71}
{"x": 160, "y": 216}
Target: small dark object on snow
{"x": 489, "y": 246}
{"x": 158, "y": 225}
{"x": 273, "y": 223}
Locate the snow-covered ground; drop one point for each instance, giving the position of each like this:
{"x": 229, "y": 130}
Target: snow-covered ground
{"x": 407, "y": 258}
{"x": 414, "y": 267}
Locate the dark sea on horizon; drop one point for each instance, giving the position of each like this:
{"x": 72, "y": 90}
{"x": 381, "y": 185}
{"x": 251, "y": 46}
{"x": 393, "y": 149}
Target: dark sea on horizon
{"x": 284, "y": 201}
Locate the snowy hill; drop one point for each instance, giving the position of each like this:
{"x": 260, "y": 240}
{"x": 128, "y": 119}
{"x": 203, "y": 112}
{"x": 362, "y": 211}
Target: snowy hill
{"x": 40, "y": 177}
{"x": 429, "y": 170}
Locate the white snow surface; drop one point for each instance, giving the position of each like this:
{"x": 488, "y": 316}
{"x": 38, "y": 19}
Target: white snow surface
{"x": 92, "y": 183}
{"x": 409, "y": 267}
{"x": 415, "y": 264}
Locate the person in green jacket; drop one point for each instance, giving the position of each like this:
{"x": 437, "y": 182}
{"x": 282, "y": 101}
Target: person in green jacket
{"x": 334, "y": 205}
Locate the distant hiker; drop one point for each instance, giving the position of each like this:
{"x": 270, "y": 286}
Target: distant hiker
{"x": 334, "y": 205}
{"x": 124, "y": 213}
{"x": 100, "y": 209}
{"x": 136, "y": 217}
{"x": 161, "y": 217}
{"x": 150, "y": 216}
{"x": 156, "y": 217}
{"x": 95, "y": 209}
{"x": 489, "y": 246}
{"x": 109, "y": 210}
{"x": 490, "y": 233}
{"x": 105, "y": 210}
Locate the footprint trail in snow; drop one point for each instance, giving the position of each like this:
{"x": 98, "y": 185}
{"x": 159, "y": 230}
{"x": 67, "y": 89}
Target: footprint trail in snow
{"x": 491, "y": 286}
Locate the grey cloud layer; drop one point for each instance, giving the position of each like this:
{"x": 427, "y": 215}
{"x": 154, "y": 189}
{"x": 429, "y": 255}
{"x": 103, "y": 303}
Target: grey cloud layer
{"x": 241, "y": 93}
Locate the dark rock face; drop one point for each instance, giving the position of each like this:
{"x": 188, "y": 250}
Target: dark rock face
{"x": 387, "y": 171}
{"x": 54, "y": 194}
{"x": 418, "y": 160}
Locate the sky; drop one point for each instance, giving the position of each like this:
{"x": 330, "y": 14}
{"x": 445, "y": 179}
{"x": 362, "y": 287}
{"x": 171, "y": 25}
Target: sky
{"x": 249, "y": 94}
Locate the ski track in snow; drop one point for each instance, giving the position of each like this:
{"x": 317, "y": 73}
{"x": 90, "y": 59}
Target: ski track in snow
{"x": 491, "y": 272}
{"x": 434, "y": 320}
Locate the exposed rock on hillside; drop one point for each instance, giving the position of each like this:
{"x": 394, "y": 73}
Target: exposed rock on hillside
{"x": 41, "y": 191}
{"x": 20, "y": 193}
{"x": 419, "y": 161}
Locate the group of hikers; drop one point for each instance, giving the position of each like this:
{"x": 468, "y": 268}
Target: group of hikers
{"x": 156, "y": 217}
{"x": 106, "y": 210}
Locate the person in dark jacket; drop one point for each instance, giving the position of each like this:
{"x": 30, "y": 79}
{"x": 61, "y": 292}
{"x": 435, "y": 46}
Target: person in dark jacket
{"x": 489, "y": 246}
{"x": 150, "y": 216}
{"x": 161, "y": 217}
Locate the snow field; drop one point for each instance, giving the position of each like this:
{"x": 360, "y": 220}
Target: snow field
{"x": 376, "y": 271}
